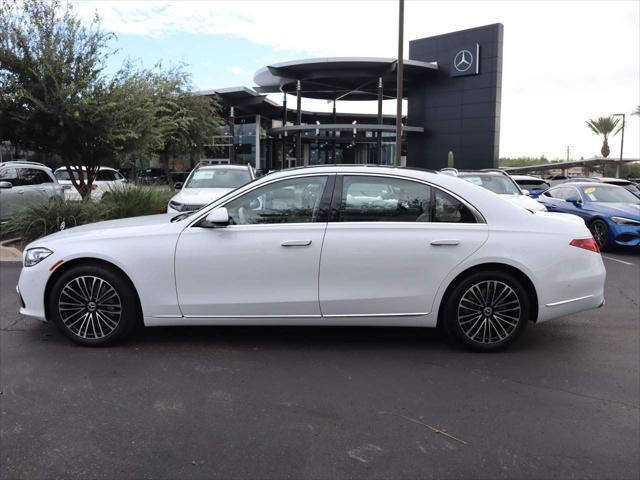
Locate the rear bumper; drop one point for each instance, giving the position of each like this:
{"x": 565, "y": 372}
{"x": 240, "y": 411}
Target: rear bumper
{"x": 576, "y": 287}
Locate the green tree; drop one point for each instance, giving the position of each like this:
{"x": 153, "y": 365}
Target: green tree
{"x": 53, "y": 98}
{"x": 604, "y": 126}
{"x": 56, "y": 99}
{"x": 186, "y": 121}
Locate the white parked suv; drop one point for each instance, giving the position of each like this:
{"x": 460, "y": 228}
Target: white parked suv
{"x": 207, "y": 183}
{"x": 106, "y": 179}
{"x": 23, "y": 184}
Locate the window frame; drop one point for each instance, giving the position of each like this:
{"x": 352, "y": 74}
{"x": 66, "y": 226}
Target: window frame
{"x": 336, "y": 200}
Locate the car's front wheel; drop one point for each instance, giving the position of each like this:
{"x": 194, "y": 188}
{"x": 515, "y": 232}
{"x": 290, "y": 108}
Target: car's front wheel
{"x": 93, "y": 305}
{"x": 487, "y": 311}
{"x": 600, "y": 232}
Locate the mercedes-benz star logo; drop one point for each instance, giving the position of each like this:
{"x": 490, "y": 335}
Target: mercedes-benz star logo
{"x": 463, "y": 60}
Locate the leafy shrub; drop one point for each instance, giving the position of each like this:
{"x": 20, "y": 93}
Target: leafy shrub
{"x": 134, "y": 200}
{"x": 38, "y": 220}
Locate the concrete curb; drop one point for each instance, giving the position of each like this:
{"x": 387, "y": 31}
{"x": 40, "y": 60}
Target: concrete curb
{"x": 9, "y": 254}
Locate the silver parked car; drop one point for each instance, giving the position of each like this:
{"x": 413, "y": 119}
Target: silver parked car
{"x": 25, "y": 183}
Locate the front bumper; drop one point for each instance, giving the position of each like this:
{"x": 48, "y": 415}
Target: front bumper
{"x": 31, "y": 287}
{"x": 624, "y": 235}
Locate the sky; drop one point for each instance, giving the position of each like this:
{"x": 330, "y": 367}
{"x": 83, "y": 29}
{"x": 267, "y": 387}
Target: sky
{"x": 564, "y": 61}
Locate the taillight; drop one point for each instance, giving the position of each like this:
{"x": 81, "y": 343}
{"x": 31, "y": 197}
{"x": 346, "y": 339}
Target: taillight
{"x": 93, "y": 186}
{"x": 586, "y": 243}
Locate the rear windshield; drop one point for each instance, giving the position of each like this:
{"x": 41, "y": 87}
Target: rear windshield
{"x": 531, "y": 184}
{"x": 218, "y": 178}
{"x": 499, "y": 184}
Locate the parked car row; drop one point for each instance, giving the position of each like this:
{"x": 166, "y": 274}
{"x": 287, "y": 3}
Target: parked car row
{"x": 610, "y": 207}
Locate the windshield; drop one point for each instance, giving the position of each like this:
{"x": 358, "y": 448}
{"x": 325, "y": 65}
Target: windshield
{"x": 218, "y": 178}
{"x": 609, "y": 194}
{"x": 499, "y": 184}
{"x": 65, "y": 175}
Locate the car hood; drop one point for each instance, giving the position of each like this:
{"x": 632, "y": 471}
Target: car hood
{"x": 199, "y": 196}
{"x": 525, "y": 201}
{"x": 627, "y": 210}
{"x": 124, "y": 227}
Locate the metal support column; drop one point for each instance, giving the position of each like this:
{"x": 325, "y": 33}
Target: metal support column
{"x": 334, "y": 133}
{"x": 379, "y": 134}
{"x": 399, "y": 81}
{"x": 299, "y": 122}
{"x": 284, "y": 134}
{"x": 232, "y": 133}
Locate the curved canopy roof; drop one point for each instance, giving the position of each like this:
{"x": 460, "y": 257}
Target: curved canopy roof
{"x": 341, "y": 78}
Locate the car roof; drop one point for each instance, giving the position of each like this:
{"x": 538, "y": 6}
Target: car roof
{"x": 612, "y": 179}
{"x": 582, "y": 184}
{"x": 15, "y": 163}
{"x": 220, "y": 167}
{"x": 526, "y": 177}
{"x": 480, "y": 172}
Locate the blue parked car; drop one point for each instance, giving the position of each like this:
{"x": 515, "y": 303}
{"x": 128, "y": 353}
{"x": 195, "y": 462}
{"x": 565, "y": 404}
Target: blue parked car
{"x": 611, "y": 212}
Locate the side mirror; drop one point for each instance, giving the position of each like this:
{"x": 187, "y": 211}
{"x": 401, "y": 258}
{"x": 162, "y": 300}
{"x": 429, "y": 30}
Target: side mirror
{"x": 526, "y": 192}
{"x": 6, "y": 185}
{"x": 573, "y": 199}
{"x": 216, "y": 219}
{"x": 178, "y": 185}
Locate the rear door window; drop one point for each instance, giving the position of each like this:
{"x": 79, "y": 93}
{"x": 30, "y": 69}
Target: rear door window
{"x": 385, "y": 199}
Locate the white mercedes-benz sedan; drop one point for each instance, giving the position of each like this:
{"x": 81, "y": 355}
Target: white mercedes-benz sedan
{"x": 327, "y": 245}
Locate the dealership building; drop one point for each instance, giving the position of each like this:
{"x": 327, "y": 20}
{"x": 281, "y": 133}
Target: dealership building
{"x": 452, "y": 85}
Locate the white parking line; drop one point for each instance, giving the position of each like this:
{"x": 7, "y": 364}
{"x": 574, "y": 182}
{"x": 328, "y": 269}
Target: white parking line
{"x": 616, "y": 260}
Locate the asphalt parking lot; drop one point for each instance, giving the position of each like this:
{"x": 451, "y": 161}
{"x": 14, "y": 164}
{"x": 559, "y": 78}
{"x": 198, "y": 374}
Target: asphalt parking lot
{"x": 240, "y": 402}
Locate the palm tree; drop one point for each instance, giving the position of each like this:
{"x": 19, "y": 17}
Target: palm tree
{"x": 604, "y": 126}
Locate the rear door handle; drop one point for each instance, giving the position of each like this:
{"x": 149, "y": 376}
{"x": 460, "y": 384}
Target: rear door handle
{"x": 438, "y": 243}
{"x": 296, "y": 243}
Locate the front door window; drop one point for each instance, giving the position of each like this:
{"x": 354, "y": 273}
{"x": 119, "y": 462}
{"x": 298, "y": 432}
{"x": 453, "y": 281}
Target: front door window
{"x": 288, "y": 201}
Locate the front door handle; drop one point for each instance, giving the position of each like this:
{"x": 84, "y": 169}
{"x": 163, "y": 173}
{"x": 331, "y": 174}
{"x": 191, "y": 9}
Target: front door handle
{"x": 296, "y": 243}
{"x": 438, "y": 243}
{"x": 20, "y": 192}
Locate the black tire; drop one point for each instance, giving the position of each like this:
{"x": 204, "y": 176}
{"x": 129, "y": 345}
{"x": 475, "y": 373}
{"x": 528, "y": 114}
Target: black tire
{"x": 93, "y": 305}
{"x": 480, "y": 313}
{"x": 600, "y": 231}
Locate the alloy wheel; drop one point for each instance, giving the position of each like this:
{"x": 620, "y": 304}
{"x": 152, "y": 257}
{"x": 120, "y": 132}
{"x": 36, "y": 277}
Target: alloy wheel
{"x": 599, "y": 231}
{"x": 89, "y": 307}
{"x": 489, "y": 312}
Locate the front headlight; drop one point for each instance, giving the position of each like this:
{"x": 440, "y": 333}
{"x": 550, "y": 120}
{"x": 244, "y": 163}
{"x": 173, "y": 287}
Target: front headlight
{"x": 176, "y": 206}
{"x": 33, "y": 256}
{"x": 624, "y": 221}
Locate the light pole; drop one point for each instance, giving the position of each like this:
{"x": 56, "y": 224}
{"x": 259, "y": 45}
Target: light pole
{"x": 621, "y": 142}
{"x": 399, "y": 89}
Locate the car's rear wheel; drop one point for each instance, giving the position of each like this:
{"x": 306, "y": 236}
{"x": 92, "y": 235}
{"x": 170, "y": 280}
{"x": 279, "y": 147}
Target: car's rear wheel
{"x": 487, "y": 311}
{"x": 93, "y": 305}
{"x": 600, "y": 231}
